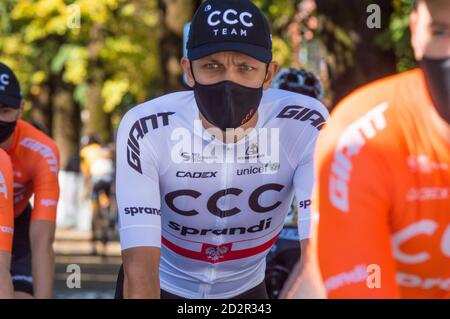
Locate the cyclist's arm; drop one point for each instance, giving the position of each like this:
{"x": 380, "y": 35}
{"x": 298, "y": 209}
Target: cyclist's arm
{"x": 42, "y": 234}
{"x": 85, "y": 172}
{"x": 307, "y": 284}
{"x": 303, "y": 184}
{"x": 43, "y": 224}
{"x": 303, "y": 180}
{"x": 84, "y": 164}
{"x": 138, "y": 201}
{"x": 6, "y": 287}
{"x": 291, "y": 283}
{"x": 6, "y": 226}
{"x": 141, "y": 267}
{"x": 354, "y": 204}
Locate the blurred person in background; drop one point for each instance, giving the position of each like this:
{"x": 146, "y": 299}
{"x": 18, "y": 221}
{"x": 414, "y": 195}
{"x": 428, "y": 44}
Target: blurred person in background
{"x": 35, "y": 161}
{"x": 97, "y": 168}
{"x": 284, "y": 262}
{"x": 6, "y": 225}
{"x": 383, "y": 166}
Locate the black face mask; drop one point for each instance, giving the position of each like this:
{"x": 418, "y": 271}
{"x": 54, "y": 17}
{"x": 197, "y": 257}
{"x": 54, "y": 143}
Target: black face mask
{"x": 437, "y": 75}
{"x": 6, "y": 130}
{"x": 227, "y": 104}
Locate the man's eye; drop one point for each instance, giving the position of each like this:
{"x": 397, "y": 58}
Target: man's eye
{"x": 246, "y": 68}
{"x": 212, "y": 66}
{"x": 440, "y": 32}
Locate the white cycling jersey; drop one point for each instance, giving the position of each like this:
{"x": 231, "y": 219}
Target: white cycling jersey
{"x": 215, "y": 209}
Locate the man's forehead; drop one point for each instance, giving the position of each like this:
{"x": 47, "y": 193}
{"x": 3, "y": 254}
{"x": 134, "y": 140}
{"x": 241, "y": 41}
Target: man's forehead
{"x": 439, "y": 10}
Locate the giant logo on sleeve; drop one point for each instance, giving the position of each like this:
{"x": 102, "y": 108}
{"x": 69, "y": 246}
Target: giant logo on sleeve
{"x": 139, "y": 129}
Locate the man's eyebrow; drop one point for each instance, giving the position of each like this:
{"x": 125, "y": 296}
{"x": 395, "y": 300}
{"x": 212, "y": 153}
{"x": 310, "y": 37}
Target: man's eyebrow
{"x": 440, "y": 24}
{"x": 242, "y": 62}
{"x": 212, "y": 60}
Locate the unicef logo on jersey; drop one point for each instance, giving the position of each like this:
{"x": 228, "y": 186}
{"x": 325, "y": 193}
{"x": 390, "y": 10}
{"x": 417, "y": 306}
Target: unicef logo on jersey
{"x": 230, "y": 22}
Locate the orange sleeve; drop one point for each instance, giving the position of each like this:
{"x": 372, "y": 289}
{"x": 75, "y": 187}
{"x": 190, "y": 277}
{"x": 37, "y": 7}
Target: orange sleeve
{"x": 6, "y": 204}
{"x": 84, "y": 162}
{"x": 46, "y": 189}
{"x": 353, "y": 203}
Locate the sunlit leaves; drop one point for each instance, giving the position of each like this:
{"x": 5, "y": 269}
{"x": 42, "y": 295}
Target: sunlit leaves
{"x": 397, "y": 36}
{"x": 113, "y": 93}
{"x": 36, "y": 41}
{"x": 281, "y": 51}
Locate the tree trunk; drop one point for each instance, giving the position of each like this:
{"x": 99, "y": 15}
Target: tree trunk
{"x": 66, "y": 122}
{"x": 174, "y": 14}
{"x": 42, "y": 111}
{"x": 362, "y": 61}
{"x": 99, "y": 122}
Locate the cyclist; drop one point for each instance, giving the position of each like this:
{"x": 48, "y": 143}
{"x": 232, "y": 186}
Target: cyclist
{"x": 6, "y": 224}
{"x": 35, "y": 162}
{"x": 299, "y": 81}
{"x": 97, "y": 168}
{"x": 384, "y": 177}
{"x": 282, "y": 267}
{"x": 199, "y": 205}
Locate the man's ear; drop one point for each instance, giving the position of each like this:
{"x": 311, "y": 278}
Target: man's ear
{"x": 271, "y": 73}
{"x": 21, "y": 109}
{"x": 186, "y": 65}
{"x": 413, "y": 27}
{"x": 415, "y": 36}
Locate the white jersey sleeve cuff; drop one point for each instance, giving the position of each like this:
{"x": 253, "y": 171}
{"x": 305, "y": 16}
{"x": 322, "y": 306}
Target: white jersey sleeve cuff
{"x": 304, "y": 228}
{"x": 140, "y": 236}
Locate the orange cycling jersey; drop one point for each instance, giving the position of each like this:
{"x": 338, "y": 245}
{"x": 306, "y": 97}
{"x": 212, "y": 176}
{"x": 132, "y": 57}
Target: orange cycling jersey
{"x": 6, "y": 203}
{"x": 35, "y": 160}
{"x": 384, "y": 194}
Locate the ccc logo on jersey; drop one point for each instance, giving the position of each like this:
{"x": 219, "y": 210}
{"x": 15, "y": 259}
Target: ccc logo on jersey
{"x": 212, "y": 207}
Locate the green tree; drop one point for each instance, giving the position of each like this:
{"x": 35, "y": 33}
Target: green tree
{"x": 104, "y": 65}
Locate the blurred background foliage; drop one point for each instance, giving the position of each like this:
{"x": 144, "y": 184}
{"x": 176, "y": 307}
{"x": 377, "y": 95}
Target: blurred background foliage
{"x": 83, "y": 63}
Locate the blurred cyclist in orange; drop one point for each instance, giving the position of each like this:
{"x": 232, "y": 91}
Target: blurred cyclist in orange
{"x": 383, "y": 188}
{"x": 35, "y": 160}
{"x": 6, "y": 225}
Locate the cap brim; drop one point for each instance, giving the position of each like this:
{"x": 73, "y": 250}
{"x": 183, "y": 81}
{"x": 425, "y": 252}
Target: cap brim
{"x": 257, "y": 52}
{"x": 10, "y": 101}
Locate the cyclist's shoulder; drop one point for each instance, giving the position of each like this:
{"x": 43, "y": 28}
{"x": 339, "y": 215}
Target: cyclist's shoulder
{"x": 370, "y": 119}
{"x": 169, "y": 104}
{"x": 3, "y": 156}
{"x": 395, "y": 92}
{"x": 280, "y": 99}
{"x": 6, "y": 179}
{"x": 155, "y": 119}
{"x": 5, "y": 162}
{"x": 34, "y": 140}
{"x": 294, "y": 110}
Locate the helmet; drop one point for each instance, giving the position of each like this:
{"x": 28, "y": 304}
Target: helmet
{"x": 299, "y": 81}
